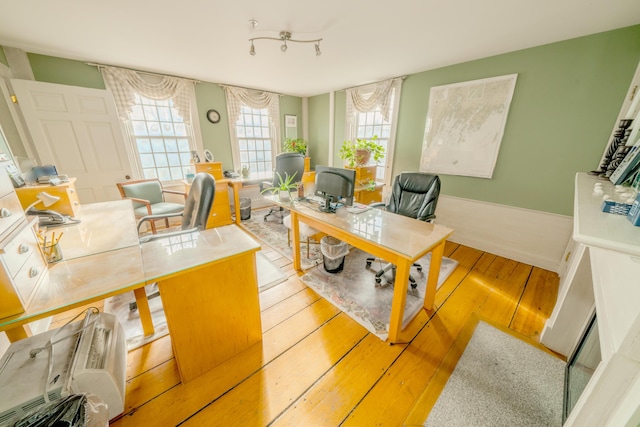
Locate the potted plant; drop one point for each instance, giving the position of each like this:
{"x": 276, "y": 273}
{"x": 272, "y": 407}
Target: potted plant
{"x": 295, "y": 145}
{"x": 284, "y": 186}
{"x": 359, "y": 152}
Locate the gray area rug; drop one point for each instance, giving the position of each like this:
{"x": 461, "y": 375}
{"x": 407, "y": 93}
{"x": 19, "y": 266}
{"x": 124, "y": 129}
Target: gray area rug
{"x": 268, "y": 276}
{"x": 355, "y": 292}
{"x": 501, "y": 381}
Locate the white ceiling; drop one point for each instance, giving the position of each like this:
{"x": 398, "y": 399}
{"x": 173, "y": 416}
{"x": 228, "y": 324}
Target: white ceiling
{"x": 363, "y": 40}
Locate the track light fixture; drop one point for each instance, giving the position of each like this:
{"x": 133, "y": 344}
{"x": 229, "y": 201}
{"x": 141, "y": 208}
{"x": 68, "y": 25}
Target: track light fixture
{"x": 285, "y": 36}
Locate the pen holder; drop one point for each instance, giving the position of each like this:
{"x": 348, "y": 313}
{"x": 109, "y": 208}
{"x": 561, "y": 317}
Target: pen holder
{"x": 52, "y": 253}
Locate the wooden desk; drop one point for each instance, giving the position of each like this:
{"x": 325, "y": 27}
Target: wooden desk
{"x": 394, "y": 238}
{"x": 194, "y": 272}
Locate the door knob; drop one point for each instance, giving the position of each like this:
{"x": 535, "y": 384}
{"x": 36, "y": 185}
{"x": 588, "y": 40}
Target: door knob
{"x": 127, "y": 177}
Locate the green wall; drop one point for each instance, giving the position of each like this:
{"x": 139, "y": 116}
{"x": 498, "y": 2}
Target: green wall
{"x": 215, "y": 137}
{"x": 3, "y": 57}
{"x": 565, "y": 104}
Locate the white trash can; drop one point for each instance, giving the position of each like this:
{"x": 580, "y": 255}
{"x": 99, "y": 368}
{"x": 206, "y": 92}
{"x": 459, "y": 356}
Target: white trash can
{"x": 333, "y": 253}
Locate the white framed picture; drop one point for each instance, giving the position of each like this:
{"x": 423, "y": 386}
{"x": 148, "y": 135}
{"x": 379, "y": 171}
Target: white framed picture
{"x": 208, "y": 155}
{"x": 290, "y": 121}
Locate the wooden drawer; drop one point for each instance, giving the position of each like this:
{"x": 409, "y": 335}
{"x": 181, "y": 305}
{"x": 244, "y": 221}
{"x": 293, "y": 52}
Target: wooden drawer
{"x": 368, "y": 196}
{"x": 19, "y": 248}
{"x": 69, "y": 203}
{"x": 10, "y": 212}
{"x": 365, "y": 174}
{"x": 28, "y": 276}
{"x": 220, "y": 210}
{"x": 214, "y": 168}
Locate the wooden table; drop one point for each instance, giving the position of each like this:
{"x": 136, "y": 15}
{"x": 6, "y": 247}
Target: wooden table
{"x": 198, "y": 275}
{"x": 395, "y": 238}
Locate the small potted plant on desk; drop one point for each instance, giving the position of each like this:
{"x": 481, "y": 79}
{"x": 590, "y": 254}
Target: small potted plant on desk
{"x": 359, "y": 152}
{"x": 284, "y": 187}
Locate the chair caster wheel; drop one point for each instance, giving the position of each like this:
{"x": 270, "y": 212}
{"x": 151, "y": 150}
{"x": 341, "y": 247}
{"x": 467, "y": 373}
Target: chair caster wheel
{"x": 378, "y": 280}
{"x": 414, "y": 285}
{"x": 265, "y": 219}
{"x": 419, "y": 269}
{"x": 368, "y": 264}
{"x": 133, "y": 306}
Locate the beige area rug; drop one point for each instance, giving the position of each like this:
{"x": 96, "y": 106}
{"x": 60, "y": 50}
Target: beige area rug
{"x": 499, "y": 381}
{"x": 268, "y": 276}
{"x": 275, "y": 235}
{"x": 355, "y": 292}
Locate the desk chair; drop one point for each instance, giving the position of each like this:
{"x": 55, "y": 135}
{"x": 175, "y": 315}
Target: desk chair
{"x": 414, "y": 194}
{"x": 305, "y": 230}
{"x": 148, "y": 199}
{"x": 286, "y": 164}
{"x": 195, "y": 214}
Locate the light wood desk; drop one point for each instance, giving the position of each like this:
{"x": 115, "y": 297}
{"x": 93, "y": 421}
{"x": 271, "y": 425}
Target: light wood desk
{"x": 394, "y": 238}
{"x": 198, "y": 275}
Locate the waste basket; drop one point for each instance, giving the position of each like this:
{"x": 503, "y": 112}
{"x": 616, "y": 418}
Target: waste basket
{"x": 245, "y": 208}
{"x": 333, "y": 253}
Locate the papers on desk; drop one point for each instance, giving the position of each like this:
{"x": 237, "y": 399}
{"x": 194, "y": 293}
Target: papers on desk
{"x": 358, "y": 208}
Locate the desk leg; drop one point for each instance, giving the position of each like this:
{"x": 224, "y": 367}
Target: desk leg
{"x": 434, "y": 273}
{"x": 295, "y": 229}
{"x": 144, "y": 311}
{"x": 17, "y": 334}
{"x": 400, "y": 286}
{"x": 236, "y": 186}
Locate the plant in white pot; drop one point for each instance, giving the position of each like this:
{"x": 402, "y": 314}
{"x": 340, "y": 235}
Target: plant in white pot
{"x": 359, "y": 152}
{"x": 283, "y": 187}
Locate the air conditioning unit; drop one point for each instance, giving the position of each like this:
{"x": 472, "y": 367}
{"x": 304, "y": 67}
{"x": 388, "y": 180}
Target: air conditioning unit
{"x": 88, "y": 356}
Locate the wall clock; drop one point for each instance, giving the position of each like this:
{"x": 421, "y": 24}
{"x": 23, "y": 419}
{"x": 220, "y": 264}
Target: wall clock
{"x": 213, "y": 116}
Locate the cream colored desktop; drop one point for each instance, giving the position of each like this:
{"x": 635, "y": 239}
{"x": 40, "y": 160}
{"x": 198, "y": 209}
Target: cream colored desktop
{"x": 102, "y": 258}
{"x": 395, "y": 238}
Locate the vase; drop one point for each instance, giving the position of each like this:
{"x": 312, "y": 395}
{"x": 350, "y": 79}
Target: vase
{"x": 362, "y": 157}
{"x": 284, "y": 196}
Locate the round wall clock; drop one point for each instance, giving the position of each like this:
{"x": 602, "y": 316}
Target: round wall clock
{"x": 213, "y": 116}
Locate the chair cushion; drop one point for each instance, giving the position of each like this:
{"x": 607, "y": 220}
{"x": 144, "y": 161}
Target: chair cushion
{"x": 305, "y": 230}
{"x": 160, "y": 208}
{"x": 151, "y": 191}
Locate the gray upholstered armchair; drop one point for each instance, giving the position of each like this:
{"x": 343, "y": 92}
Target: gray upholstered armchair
{"x": 414, "y": 194}
{"x": 148, "y": 199}
{"x": 287, "y": 164}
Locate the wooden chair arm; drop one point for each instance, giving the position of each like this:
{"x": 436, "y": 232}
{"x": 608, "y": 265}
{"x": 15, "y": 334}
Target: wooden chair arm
{"x": 182, "y": 193}
{"x": 143, "y": 201}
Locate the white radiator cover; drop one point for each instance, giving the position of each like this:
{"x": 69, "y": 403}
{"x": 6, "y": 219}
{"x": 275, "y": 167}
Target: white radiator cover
{"x": 532, "y": 237}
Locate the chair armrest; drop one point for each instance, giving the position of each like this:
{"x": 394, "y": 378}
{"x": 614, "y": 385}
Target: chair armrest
{"x": 152, "y": 237}
{"x": 265, "y": 184}
{"x": 182, "y": 193}
{"x": 143, "y": 201}
{"x": 377, "y": 205}
{"x": 156, "y": 217}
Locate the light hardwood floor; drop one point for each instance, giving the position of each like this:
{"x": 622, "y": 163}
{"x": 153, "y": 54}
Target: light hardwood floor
{"x": 317, "y": 367}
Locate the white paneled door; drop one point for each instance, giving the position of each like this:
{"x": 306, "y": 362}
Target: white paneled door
{"x": 77, "y": 130}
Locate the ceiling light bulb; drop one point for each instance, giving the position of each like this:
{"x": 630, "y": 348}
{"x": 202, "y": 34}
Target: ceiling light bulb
{"x": 318, "y": 53}
{"x": 252, "y": 50}
{"x": 284, "y": 47}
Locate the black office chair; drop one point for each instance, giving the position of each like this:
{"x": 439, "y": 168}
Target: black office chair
{"x": 287, "y": 164}
{"x": 196, "y": 212}
{"x": 414, "y": 194}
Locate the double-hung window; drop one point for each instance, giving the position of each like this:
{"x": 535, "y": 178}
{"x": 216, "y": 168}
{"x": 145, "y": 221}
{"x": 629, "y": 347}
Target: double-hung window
{"x": 255, "y": 142}
{"x": 370, "y": 123}
{"x": 162, "y": 140}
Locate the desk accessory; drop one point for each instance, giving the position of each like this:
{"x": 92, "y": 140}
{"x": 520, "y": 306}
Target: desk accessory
{"x": 634, "y": 213}
{"x": 609, "y": 206}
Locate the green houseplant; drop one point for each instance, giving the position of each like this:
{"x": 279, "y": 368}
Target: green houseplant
{"x": 284, "y": 186}
{"x": 295, "y": 145}
{"x": 358, "y": 152}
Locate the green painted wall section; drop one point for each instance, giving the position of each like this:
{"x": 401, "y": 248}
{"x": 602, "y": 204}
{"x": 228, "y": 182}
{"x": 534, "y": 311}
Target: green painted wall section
{"x": 319, "y": 129}
{"x": 215, "y": 136}
{"x": 565, "y": 104}
{"x": 50, "y": 69}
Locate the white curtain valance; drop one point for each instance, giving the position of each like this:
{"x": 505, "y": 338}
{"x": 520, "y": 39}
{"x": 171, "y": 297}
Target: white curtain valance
{"x": 370, "y": 97}
{"x": 124, "y": 84}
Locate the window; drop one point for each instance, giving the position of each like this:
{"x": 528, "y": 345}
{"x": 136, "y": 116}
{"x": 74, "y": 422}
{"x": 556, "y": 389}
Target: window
{"x": 162, "y": 139}
{"x": 372, "y": 123}
{"x": 366, "y": 108}
{"x": 253, "y": 133}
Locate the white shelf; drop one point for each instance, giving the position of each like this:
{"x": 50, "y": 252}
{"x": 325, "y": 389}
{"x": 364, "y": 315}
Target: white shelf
{"x": 593, "y": 227}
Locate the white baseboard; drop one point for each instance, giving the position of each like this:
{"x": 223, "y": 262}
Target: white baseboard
{"x": 532, "y": 237}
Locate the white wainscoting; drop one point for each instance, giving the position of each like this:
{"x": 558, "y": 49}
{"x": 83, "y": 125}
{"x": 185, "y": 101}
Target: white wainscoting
{"x": 532, "y": 237}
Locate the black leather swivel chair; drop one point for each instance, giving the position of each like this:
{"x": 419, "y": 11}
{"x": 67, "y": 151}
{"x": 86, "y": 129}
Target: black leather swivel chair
{"x": 414, "y": 194}
{"x": 196, "y": 212}
{"x": 287, "y": 164}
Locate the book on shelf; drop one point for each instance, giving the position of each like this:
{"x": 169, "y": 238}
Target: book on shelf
{"x": 628, "y": 166}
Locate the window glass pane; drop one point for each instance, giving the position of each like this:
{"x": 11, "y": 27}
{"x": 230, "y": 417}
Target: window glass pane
{"x": 254, "y": 140}
{"x": 159, "y": 118}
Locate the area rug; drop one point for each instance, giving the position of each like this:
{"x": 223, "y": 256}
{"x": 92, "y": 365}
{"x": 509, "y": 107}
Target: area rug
{"x": 501, "y": 381}
{"x": 268, "y": 276}
{"x": 355, "y": 292}
{"x": 275, "y": 235}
